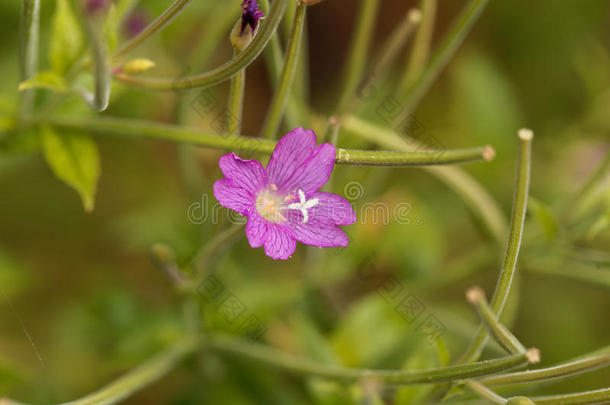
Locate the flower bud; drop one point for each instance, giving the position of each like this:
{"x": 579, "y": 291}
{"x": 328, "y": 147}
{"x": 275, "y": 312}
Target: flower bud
{"x": 136, "y": 66}
{"x": 246, "y": 27}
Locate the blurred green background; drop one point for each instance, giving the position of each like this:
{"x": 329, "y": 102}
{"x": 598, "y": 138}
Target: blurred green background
{"x": 81, "y": 302}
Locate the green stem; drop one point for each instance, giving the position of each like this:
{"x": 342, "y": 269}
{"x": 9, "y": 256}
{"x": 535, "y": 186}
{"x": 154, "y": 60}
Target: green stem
{"x": 601, "y": 396}
{"x": 484, "y": 392}
{"x": 280, "y": 99}
{"x": 387, "y": 55}
{"x": 236, "y": 102}
{"x": 223, "y": 72}
{"x": 98, "y": 101}
{"x": 509, "y": 267}
{"x": 288, "y": 362}
{"x": 28, "y": 50}
{"x": 559, "y": 371}
{"x": 135, "y": 128}
{"x": 157, "y": 25}
{"x": 204, "y": 259}
{"x": 481, "y": 204}
{"x": 441, "y": 57}
{"x": 503, "y": 336}
{"x": 144, "y": 375}
{"x": 356, "y": 60}
{"x": 421, "y": 45}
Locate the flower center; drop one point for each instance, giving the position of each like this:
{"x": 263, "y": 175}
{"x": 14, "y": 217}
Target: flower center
{"x": 270, "y": 205}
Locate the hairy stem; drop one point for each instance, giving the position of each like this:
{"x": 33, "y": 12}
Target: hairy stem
{"x": 568, "y": 369}
{"x": 275, "y": 358}
{"x": 236, "y": 102}
{"x": 280, "y": 99}
{"x": 503, "y": 336}
{"x": 135, "y": 128}
{"x": 481, "y": 204}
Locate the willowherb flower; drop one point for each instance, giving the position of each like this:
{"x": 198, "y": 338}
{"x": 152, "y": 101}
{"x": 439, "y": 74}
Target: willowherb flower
{"x": 282, "y": 201}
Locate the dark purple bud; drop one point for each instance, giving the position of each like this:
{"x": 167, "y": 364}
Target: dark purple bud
{"x": 95, "y": 6}
{"x": 135, "y": 23}
{"x": 250, "y": 15}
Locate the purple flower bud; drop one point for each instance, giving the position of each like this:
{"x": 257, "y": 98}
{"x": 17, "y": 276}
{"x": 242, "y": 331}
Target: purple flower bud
{"x": 250, "y": 15}
{"x": 94, "y": 6}
{"x": 135, "y": 23}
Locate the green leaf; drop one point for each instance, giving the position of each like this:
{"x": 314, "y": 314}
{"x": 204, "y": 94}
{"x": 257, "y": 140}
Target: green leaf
{"x": 66, "y": 38}
{"x": 45, "y": 80}
{"x": 74, "y": 159}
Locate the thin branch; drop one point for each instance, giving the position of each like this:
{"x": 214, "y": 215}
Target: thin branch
{"x": 288, "y": 362}
{"x": 280, "y": 99}
{"x": 157, "y": 25}
{"x": 568, "y": 369}
{"x": 127, "y": 127}
{"x": 484, "y": 392}
{"x": 503, "y": 336}
{"x": 601, "y": 396}
{"x": 223, "y": 72}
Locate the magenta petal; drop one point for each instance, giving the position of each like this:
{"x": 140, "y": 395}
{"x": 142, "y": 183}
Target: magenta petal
{"x": 315, "y": 172}
{"x": 279, "y": 245}
{"x": 232, "y": 197}
{"x": 313, "y": 234}
{"x": 256, "y": 229}
{"x": 247, "y": 174}
{"x": 290, "y": 154}
{"x": 331, "y": 209}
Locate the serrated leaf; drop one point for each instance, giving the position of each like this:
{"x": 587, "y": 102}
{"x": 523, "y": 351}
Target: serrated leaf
{"x": 45, "y": 80}
{"x": 74, "y": 158}
{"x": 66, "y": 38}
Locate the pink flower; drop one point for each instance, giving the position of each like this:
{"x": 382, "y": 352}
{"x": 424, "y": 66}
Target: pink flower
{"x": 283, "y": 202}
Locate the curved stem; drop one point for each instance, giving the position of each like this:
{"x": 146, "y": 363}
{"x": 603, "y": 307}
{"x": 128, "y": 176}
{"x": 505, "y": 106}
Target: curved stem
{"x": 236, "y": 102}
{"x": 361, "y": 41}
{"x": 503, "y": 336}
{"x": 98, "y": 101}
{"x": 137, "y": 379}
{"x": 278, "y": 104}
{"x": 127, "y": 127}
{"x": 275, "y": 358}
{"x": 601, "y": 396}
{"x": 509, "y": 267}
{"x": 558, "y": 371}
{"x": 28, "y": 49}
{"x": 158, "y": 24}
{"x": 223, "y": 72}
{"x": 441, "y": 57}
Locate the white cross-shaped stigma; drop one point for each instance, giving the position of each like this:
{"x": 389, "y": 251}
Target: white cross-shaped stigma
{"x": 303, "y": 205}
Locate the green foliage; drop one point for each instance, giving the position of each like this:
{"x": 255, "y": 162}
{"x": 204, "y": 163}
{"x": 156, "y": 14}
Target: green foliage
{"x": 74, "y": 159}
{"x": 45, "y": 80}
{"x": 67, "y": 40}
